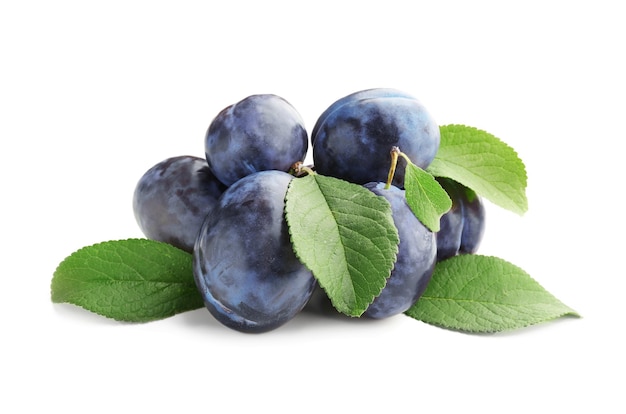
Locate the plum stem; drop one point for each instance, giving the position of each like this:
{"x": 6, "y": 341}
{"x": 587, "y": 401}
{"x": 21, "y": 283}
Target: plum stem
{"x": 395, "y": 152}
{"x": 298, "y": 169}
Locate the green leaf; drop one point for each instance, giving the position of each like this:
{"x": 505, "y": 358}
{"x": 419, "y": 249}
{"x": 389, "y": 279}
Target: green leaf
{"x": 345, "y": 235}
{"x": 135, "y": 280}
{"x": 476, "y": 293}
{"x": 427, "y": 199}
{"x": 483, "y": 163}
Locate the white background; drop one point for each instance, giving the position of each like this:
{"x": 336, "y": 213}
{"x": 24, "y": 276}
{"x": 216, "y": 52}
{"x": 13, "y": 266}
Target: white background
{"x": 94, "y": 93}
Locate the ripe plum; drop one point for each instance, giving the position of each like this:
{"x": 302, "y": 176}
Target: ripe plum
{"x": 244, "y": 263}
{"x": 461, "y": 228}
{"x": 415, "y": 262}
{"x": 172, "y": 199}
{"x": 353, "y": 138}
{"x": 260, "y": 132}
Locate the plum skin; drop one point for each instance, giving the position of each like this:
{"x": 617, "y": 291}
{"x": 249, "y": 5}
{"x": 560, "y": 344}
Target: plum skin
{"x": 353, "y": 138}
{"x": 416, "y": 258}
{"x": 172, "y": 198}
{"x": 244, "y": 264}
{"x": 354, "y": 97}
{"x": 463, "y": 226}
{"x": 260, "y": 132}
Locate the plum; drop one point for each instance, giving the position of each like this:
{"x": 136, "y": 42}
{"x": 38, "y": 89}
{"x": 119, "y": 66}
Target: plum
{"x": 416, "y": 259}
{"x": 260, "y": 132}
{"x": 461, "y": 228}
{"x": 172, "y": 199}
{"x": 353, "y": 138}
{"x": 244, "y": 264}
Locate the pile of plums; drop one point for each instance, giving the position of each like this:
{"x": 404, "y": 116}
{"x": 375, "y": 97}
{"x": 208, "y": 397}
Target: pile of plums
{"x": 227, "y": 208}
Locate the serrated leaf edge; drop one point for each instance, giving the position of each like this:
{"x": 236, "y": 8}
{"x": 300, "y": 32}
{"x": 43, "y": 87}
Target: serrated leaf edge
{"x": 120, "y": 319}
{"x": 514, "y": 207}
{"x": 569, "y": 312}
{"x": 289, "y": 227}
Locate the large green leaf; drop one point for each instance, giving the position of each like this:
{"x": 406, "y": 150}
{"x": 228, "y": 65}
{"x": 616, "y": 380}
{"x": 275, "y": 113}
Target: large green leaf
{"x": 484, "y": 163}
{"x": 136, "y": 280}
{"x": 345, "y": 235}
{"x": 477, "y": 293}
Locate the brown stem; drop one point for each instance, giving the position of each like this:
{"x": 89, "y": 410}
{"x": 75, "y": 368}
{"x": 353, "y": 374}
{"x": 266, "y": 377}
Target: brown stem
{"x": 395, "y": 152}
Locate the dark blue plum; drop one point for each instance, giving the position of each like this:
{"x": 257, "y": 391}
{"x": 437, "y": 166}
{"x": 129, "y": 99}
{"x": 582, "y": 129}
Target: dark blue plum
{"x": 474, "y": 224}
{"x": 172, "y": 199}
{"x": 353, "y": 138}
{"x": 353, "y": 97}
{"x": 417, "y": 254}
{"x": 244, "y": 264}
{"x": 461, "y": 228}
{"x": 258, "y": 133}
